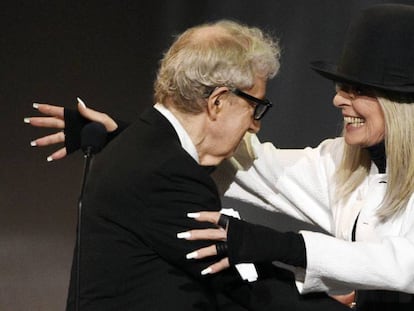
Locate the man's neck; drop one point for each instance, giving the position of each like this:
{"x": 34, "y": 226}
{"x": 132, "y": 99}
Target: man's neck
{"x": 196, "y": 127}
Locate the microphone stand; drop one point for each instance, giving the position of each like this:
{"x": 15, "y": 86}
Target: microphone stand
{"x": 93, "y": 138}
{"x": 88, "y": 159}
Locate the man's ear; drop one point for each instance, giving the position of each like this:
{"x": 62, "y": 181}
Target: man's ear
{"x": 214, "y": 102}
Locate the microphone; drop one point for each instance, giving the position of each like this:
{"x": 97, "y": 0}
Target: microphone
{"x": 93, "y": 139}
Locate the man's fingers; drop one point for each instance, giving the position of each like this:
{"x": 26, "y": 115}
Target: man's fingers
{"x": 49, "y": 122}
{"x": 56, "y": 138}
{"x": 50, "y": 110}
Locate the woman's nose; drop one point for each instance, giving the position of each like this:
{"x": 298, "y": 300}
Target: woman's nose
{"x": 342, "y": 99}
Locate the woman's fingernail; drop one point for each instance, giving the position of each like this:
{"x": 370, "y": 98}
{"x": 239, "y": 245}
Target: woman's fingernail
{"x": 193, "y": 215}
{"x": 49, "y": 159}
{"x": 80, "y": 101}
{"x": 35, "y": 105}
{"x": 184, "y": 235}
{"x": 206, "y": 271}
{"x": 26, "y": 120}
{"x": 33, "y": 143}
{"x": 191, "y": 255}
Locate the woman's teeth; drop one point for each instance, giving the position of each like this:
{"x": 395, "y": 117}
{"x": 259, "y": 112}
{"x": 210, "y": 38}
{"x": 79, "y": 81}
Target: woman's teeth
{"x": 354, "y": 121}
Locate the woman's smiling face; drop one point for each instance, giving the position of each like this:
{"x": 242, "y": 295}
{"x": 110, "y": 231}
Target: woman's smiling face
{"x": 364, "y": 122}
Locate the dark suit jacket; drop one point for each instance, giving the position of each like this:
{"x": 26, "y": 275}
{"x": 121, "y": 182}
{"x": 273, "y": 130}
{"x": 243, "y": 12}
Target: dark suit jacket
{"x": 138, "y": 193}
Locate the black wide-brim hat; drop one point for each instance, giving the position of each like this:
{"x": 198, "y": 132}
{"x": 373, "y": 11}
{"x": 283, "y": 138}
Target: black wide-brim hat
{"x": 378, "y": 50}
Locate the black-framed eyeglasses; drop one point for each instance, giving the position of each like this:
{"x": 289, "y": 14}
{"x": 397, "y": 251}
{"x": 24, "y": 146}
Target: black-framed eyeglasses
{"x": 261, "y": 106}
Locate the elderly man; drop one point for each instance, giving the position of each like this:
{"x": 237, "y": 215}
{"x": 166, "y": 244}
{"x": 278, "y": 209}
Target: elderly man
{"x": 210, "y": 90}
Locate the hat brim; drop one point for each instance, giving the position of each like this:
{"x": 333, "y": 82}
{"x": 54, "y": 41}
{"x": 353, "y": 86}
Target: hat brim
{"x": 329, "y": 71}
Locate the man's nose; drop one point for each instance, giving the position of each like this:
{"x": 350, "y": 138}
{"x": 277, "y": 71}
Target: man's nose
{"x": 255, "y": 126}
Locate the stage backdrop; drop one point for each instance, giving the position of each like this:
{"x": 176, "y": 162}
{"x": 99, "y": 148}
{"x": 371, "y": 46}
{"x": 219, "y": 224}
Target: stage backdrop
{"x": 107, "y": 52}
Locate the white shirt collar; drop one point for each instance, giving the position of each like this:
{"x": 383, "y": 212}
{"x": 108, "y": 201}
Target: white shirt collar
{"x": 246, "y": 270}
{"x": 185, "y": 139}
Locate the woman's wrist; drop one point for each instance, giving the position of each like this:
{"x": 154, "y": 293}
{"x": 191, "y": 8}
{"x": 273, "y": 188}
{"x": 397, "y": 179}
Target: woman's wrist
{"x": 255, "y": 243}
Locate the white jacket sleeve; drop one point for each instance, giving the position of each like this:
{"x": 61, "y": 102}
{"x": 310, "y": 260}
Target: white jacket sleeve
{"x": 290, "y": 181}
{"x": 334, "y": 264}
{"x": 300, "y": 183}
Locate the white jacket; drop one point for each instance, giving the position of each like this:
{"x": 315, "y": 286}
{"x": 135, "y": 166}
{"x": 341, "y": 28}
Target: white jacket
{"x": 300, "y": 183}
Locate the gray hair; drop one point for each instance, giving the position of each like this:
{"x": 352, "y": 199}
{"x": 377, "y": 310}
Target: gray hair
{"x": 223, "y": 53}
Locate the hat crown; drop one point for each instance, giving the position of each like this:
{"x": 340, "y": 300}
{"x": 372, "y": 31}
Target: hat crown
{"x": 380, "y": 46}
{"x": 378, "y": 49}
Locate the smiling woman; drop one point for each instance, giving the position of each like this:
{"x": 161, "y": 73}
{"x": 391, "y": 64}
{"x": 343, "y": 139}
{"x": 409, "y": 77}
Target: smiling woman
{"x": 358, "y": 188}
{"x": 363, "y": 116}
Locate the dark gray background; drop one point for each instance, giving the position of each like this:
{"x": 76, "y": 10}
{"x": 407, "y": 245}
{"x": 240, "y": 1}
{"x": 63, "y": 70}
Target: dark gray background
{"x": 107, "y": 52}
